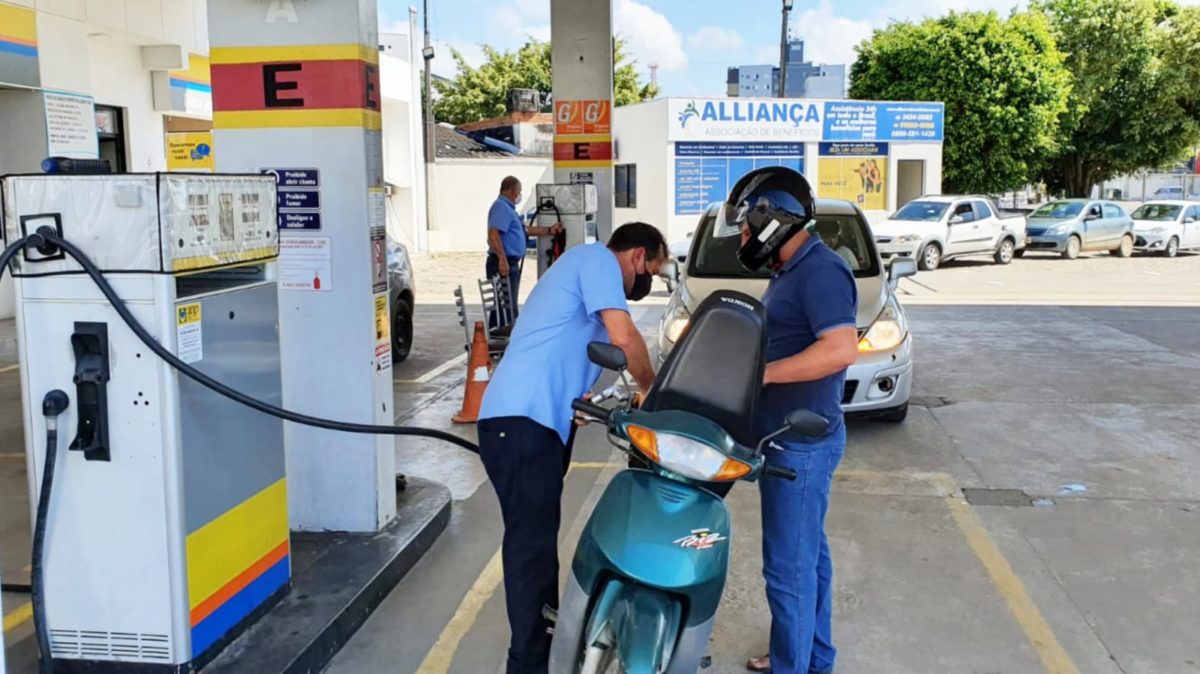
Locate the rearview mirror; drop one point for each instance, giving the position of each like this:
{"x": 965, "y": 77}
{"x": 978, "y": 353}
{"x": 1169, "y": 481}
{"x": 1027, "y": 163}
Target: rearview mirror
{"x": 901, "y": 267}
{"x": 807, "y": 423}
{"x": 607, "y": 356}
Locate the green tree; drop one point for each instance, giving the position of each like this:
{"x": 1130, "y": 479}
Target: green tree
{"x": 1136, "y": 98}
{"x": 1002, "y": 80}
{"x": 481, "y": 93}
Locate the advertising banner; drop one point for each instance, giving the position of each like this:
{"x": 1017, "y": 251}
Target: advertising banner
{"x": 855, "y": 172}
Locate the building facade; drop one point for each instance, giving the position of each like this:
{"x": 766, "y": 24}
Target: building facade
{"x": 804, "y": 79}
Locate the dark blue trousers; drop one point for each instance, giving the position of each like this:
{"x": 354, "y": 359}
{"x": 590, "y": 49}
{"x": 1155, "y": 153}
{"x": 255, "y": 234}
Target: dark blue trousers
{"x": 526, "y": 463}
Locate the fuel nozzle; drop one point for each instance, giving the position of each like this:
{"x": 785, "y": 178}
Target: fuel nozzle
{"x": 53, "y": 405}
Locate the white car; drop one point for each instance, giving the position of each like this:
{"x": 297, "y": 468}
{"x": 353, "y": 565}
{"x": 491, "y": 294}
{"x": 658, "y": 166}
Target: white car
{"x": 937, "y": 228}
{"x": 1166, "y": 227}
{"x": 880, "y": 382}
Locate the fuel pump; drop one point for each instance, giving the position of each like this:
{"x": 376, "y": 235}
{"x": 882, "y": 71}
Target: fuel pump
{"x": 168, "y": 527}
{"x": 575, "y": 207}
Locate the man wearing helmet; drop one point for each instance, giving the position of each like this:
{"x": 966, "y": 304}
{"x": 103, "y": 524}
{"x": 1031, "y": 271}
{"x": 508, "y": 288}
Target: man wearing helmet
{"x": 812, "y": 338}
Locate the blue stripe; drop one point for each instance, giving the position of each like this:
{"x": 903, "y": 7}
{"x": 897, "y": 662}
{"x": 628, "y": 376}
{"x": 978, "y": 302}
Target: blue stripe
{"x": 18, "y": 49}
{"x": 184, "y": 84}
{"x": 240, "y": 605}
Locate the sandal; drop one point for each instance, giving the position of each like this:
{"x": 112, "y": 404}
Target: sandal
{"x": 761, "y": 663}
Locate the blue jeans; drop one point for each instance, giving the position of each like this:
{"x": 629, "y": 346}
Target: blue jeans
{"x": 796, "y": 563}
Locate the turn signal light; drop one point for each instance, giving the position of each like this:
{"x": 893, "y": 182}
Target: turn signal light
{"x": 731, "y": 470}
{"x": 645, "y": 440}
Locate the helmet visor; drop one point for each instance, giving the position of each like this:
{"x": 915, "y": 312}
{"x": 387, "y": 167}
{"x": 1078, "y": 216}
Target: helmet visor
{"x": 729, "y": 220}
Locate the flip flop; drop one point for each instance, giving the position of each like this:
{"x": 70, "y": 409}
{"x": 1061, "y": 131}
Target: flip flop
{"x": 761, "y": 663}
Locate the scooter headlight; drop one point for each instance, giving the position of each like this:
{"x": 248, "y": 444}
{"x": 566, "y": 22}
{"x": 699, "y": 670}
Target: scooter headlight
{"x": 685, "y": 456}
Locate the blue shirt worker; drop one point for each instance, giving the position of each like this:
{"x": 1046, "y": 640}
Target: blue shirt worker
{"x": 506, "y": 239}
{"x": 526, "y": 424}
{"x": 812, "y": 338}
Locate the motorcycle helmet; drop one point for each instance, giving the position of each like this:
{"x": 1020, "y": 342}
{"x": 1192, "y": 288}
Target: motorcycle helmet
{"x": 775, "y": 204}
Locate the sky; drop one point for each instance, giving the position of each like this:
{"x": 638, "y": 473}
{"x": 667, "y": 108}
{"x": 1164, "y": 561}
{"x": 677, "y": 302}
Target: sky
{"x": 693, "y": 42}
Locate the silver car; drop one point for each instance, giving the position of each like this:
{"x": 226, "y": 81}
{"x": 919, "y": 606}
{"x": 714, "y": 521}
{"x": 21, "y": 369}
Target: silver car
{"x": 879, "y": 384}
{"x": 401, "y": 297}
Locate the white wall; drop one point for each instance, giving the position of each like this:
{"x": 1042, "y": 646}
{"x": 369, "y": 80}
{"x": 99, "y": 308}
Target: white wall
{"x": 640, "y": 134}
{"x": 464, "y": 191}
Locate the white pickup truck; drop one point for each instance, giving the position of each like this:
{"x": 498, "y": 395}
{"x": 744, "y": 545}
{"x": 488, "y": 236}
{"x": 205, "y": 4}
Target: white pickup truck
{"x": 936, "y": 228}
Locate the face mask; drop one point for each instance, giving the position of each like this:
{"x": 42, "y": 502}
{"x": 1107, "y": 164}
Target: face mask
{"x": 641, "y": 287}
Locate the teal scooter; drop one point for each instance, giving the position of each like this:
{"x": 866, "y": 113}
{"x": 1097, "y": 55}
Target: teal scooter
{"x": 651, "y": 563}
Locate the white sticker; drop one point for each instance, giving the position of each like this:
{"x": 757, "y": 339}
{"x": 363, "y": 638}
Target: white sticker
{"x": 189, "y": 334}
{"x": 768, "y": 231}
{"x": 305, "y": 263}
{"x": 481, "y": 374}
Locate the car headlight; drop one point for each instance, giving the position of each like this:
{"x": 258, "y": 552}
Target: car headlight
{"x": 908, "y": 238}
{"x": 675, "y": 321}
{"x": 1057, "y": 229}
{"x": 887, "y": 332}
{"x": 684, "y": 456}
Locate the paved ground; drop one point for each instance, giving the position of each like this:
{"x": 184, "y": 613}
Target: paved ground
{"x": 1042, "y": 400}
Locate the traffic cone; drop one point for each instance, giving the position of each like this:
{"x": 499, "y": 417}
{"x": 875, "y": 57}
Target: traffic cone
{"x": 479, "y": 371}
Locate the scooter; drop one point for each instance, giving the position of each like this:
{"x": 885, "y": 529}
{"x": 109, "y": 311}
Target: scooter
{"x": 650, "y": 566}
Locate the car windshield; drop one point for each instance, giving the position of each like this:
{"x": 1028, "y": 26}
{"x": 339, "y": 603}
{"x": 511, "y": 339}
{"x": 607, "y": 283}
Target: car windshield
{"x": 847, "y": 234}
{"x": 921, "y": 211}
{"x": 1164, "y": 212}
{"x": 1059, "y": 209}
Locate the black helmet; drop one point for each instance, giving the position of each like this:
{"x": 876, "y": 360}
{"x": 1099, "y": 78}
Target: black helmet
{"x": 775, "y": 203}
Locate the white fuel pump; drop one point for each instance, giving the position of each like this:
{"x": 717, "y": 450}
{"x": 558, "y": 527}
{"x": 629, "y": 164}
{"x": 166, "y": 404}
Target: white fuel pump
{"x": 575, "y": 206}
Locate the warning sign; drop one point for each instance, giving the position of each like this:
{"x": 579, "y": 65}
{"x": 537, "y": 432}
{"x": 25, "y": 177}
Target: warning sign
{"x": 189, "y": 151}
{"x": 383, "y": 333}
{"x": 379, "y": 261}
{"x": 189, "y": 333}
{"x": 305, "y": 263}
{"x": 582, "y": 117}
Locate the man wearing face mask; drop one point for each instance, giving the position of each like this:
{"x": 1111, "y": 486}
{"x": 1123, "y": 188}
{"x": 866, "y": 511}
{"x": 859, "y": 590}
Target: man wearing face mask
{"x": 526, "y": 424}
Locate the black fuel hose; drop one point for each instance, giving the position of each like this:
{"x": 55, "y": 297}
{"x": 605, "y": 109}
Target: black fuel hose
{"x": 53, "y": 405}
{"x": 48, "y": 236}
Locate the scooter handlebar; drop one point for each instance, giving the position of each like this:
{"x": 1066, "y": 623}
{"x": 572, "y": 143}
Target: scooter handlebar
{"x": 590, "y": 409}
{"x": 775, "y": 471}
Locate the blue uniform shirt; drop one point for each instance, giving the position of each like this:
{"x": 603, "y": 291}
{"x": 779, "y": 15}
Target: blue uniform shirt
{"x": 813, "y": 294}
{"x": 503, "y": 218}
{"x": 546, "y": 364}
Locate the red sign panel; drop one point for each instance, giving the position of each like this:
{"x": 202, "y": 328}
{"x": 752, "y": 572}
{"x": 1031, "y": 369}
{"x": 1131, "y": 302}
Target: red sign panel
{"x": 582, "y": 151}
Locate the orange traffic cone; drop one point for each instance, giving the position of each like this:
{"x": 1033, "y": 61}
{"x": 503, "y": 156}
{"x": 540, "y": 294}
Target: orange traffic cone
{"x": 479, "y": 371}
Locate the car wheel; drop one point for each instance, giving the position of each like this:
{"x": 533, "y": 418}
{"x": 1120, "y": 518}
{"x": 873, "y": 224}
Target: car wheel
{"x": 894, "y": 415}
{"x": 1006, "y": 252}
{"x": 402, "y": 330}
{"x": 1172, "y": 248}
{"x": 930, "y": 258}
{"x": 1125, "y": 249}
{"x": 1074, "y": 245}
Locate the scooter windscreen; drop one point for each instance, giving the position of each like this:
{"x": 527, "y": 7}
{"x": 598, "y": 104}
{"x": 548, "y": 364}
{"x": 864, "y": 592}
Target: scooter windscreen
{"x": 716, "y": 369}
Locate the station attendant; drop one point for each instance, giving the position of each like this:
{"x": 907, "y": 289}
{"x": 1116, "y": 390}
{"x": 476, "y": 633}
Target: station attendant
{"x": 526, "y": 425}
{"x": 812, "y": 338}
{"x": 506, "y": 239}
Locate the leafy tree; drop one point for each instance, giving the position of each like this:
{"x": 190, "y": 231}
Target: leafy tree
{"x": 1002, "y": 80}
{"x": 481, "y": 93}
{"x": 1136, "y": 99}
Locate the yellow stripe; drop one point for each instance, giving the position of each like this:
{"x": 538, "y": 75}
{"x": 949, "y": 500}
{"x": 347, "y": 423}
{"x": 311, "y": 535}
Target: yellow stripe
{"x": 438, "y": 659}
{"x": 222, "y": 259}
{"x": 280, "y": 119}
{"x": 230, "y": 544}
{"x": 1054, "y": 657}
{"x": 22, "y": 615}
{"x": 584, "y": 163}
{"x": 18, "y": 22}
{"x": 300, "y": 52}
{"x": 198, "y": 70}
{"x": 583, "y": 138}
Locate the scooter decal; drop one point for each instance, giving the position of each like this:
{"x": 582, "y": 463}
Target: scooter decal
{"x": 700, "y": 539}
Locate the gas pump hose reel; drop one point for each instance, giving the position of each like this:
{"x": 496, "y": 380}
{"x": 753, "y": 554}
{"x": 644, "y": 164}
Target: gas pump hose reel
{"x": 47, "y": 242}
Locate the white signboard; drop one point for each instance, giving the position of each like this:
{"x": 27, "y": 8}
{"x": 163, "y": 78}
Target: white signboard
{"x": 71, "y": 126}
{"x": 732, "y": 119}
{"x": 306, "y": 263}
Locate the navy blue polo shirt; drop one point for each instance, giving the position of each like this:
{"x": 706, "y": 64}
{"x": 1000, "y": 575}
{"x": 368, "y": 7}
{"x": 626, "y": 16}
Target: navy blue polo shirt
{"x": 812, "y": 294}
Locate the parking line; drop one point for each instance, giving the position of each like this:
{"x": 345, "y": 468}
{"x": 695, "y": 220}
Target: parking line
{"x": 10, "y": 368}
{"x": 1054, "y": 657}
{"x": 439, "y": 658}
{"x": 20, "y": 616}
{"x": 435, "y": 372}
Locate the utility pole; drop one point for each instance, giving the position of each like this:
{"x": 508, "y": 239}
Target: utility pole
{"x": 783, "y": 49}
{"x": 430, "y": 130}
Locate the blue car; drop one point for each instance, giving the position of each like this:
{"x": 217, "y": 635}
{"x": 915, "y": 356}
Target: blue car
{"x": 1072, "y": 226}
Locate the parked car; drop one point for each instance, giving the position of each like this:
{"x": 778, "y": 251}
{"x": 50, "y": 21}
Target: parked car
{"x": 1071, "y": 226}
{"x": 1166, "y": 227}
{"x": 933, "y": 229}
{"x": 1168, "y": 192}
{"x": 401, "y": 297}
{"x": 880, "y": 383}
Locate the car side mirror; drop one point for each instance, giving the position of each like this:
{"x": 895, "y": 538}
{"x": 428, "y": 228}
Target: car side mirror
{"x": 1188, "y": 221}
{"x": 1091, "y": 216}
{"x": 670, "y": 270}
{"x": 901, "y": 267}
{"x": 607, "y": 356}
{"x": 956, "y": 220}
